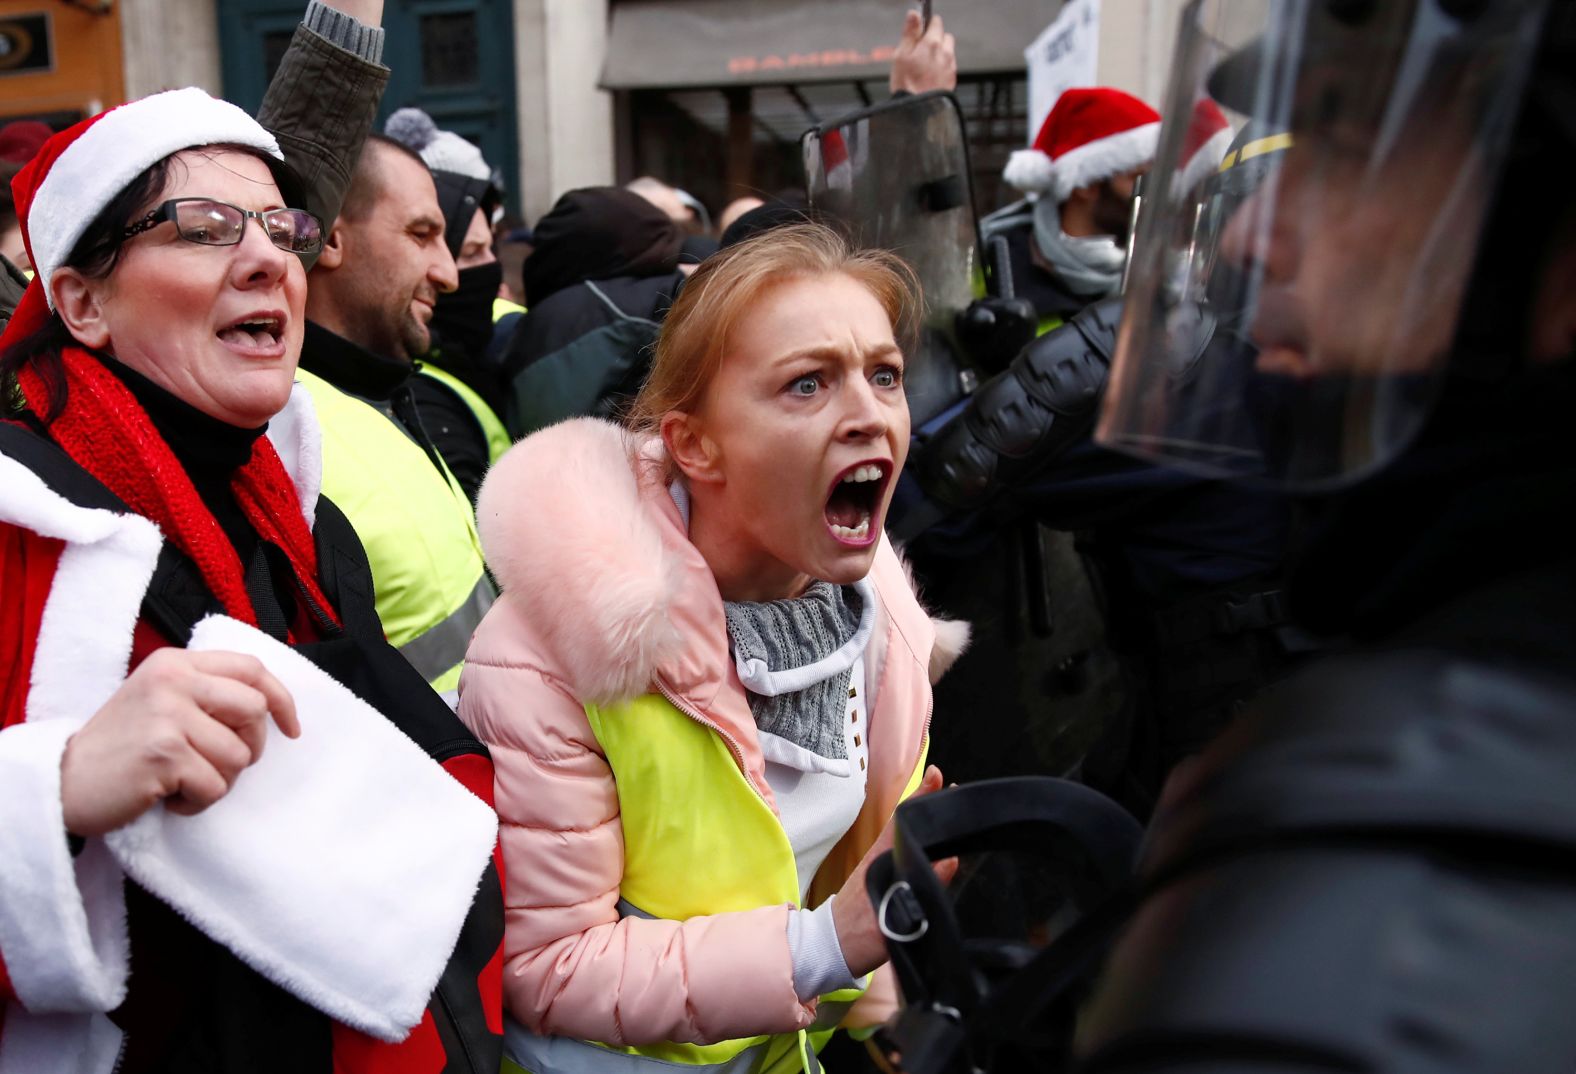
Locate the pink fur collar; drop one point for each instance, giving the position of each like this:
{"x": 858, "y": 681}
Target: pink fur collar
{"x": 580, "y": 532}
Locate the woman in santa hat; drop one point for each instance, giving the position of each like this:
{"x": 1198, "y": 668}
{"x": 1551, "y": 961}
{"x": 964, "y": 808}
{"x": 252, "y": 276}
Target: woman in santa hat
{"x": 172, "y": 896}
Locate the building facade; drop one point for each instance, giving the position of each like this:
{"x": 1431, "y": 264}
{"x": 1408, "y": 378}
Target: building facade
{"x": 711, "y": 95}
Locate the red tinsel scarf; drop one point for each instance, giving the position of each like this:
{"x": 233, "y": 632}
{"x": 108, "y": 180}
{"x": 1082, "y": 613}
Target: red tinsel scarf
{"x": 107, "y": 432}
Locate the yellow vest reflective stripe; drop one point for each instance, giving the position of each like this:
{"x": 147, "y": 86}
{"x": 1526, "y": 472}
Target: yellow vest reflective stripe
{"x": 492, "y": 426}
{"x": 560, "y": 1055}
{"x": 432, "y": 652}
{"x": 416, "y": 525}
{"x": 698, "y": 839}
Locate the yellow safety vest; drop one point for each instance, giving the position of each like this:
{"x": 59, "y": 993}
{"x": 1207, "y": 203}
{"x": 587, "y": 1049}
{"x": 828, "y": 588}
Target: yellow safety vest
{"x": 417, "y": 527}
{"x": 492, "y": 426}
{"x": 698, "y": 840}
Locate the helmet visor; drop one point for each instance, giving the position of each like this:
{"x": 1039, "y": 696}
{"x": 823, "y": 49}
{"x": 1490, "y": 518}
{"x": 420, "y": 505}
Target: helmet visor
{"x": 1289, "y": 315}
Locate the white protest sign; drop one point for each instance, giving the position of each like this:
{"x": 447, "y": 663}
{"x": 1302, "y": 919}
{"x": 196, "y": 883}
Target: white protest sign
{"x": 1063, "y": 56}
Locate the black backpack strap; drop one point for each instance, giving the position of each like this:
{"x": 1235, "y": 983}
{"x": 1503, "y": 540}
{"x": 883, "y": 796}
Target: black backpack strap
{"x": 176, "y": 598}
{"x": 58, "y": 470}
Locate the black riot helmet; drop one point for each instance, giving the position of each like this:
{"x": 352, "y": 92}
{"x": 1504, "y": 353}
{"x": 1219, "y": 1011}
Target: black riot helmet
{"x": 1393, "y": 258}
{"x": 1255, "y": 152}
{"x": 1356, "y": 260}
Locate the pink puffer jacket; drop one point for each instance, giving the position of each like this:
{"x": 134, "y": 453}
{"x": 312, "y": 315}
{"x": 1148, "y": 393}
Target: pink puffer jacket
{"x": 605, "y": 599}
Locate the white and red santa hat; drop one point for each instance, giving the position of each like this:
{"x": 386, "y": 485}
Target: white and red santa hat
{"x": 80, "y": 170}
{"x": 1204, "y": 145}
{"x": 1090, "y": 135}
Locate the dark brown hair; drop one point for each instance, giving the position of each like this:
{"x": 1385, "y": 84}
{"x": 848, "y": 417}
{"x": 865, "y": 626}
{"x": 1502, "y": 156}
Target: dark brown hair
{"x": 95, "y": 255}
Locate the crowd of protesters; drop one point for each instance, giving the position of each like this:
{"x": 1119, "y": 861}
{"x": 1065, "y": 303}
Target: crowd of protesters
{"x": 433, "y": 643}
{"x": 239, "y": 468}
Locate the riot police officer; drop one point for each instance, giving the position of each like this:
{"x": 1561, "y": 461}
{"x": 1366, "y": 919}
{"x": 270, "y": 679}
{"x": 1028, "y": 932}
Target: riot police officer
{"x": 1189, "y": 565}
{"x": 1372, "y": 870}
{"x": 1067, "y": 247}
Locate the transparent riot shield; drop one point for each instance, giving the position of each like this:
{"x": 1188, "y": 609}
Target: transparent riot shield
{"x": 1040, "y": 681}
{"x": 896, "y": 175}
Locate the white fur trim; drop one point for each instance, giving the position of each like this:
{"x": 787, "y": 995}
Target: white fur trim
{"x": 1103, "y": 158}
{"x": 58, "y": 1043}
{"x": 340, "y": 866}
{"x": 952, "y": 641}
{"x": 62, "y": 920}
{"x": 1029, "y": 170}
{"x": 114, "y": 151}
{"x": 622, "y": 574}
{"x": 1205, "y": 162}
{"x": 348, "y": 915}
{"x": 298, "y": 438}
{"x": 84, "y": 639}
{"x": 601, "y": 581}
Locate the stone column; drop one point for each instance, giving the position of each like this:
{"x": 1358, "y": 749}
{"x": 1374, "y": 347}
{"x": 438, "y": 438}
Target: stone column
{"x": 1137, "y": 40}
{"x": 566, "y": 122}
{"x": 169, "y": 44}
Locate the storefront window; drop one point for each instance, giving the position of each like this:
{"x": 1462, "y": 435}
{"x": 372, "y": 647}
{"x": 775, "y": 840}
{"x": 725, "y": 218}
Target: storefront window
{"x": 682, "y": 136}
{"x": 449, "y": 50}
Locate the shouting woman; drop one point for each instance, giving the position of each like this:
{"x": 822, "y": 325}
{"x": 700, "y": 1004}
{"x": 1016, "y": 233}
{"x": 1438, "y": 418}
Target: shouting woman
{"x": 200, "y": 827}
{"x": 707, "y": 684}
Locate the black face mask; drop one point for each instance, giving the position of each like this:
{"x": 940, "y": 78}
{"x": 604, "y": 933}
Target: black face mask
{"x": 462, "y": 320}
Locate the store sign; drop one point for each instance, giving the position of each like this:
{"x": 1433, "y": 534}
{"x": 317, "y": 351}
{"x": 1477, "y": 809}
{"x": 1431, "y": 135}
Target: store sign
{"x": 1065, "y": 55}
{"x": 798, "y": 61}
{"x": 673, "y": 44}
{"x": 25, "y": 45}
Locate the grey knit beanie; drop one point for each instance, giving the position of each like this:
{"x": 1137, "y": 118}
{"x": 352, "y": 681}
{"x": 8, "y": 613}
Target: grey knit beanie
{"x": 444, "y": 151}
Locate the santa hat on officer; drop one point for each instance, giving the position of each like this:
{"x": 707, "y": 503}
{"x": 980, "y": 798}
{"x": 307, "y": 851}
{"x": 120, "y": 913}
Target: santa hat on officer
{"x": 1090, "y": 135}
{"x": 1204, "y": 144}
{"x": 78, "y": 172}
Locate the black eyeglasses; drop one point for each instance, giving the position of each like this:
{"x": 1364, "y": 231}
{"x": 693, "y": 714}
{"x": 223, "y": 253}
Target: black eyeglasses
{"x": 218, "y": 223}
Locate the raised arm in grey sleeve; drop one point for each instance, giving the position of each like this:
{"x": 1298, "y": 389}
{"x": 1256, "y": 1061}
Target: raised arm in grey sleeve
{"x": 322, "y": 100}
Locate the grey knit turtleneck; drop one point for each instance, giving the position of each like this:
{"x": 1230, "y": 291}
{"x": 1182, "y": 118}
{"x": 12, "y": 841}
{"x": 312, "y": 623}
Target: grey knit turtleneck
{"x": 791, "y": 634}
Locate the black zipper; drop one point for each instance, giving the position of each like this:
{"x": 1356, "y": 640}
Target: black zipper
{"x": 324, "y": 621}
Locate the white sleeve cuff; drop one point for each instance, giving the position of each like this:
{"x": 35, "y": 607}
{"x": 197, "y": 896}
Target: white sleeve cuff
{"x": 818, "y": 965}
{"x": 62, "y": 919}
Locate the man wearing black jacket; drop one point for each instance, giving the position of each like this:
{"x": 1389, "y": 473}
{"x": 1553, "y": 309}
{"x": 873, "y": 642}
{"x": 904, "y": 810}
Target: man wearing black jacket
{"x": 1373, "y": 871}
{"x": 603, "y": 272}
